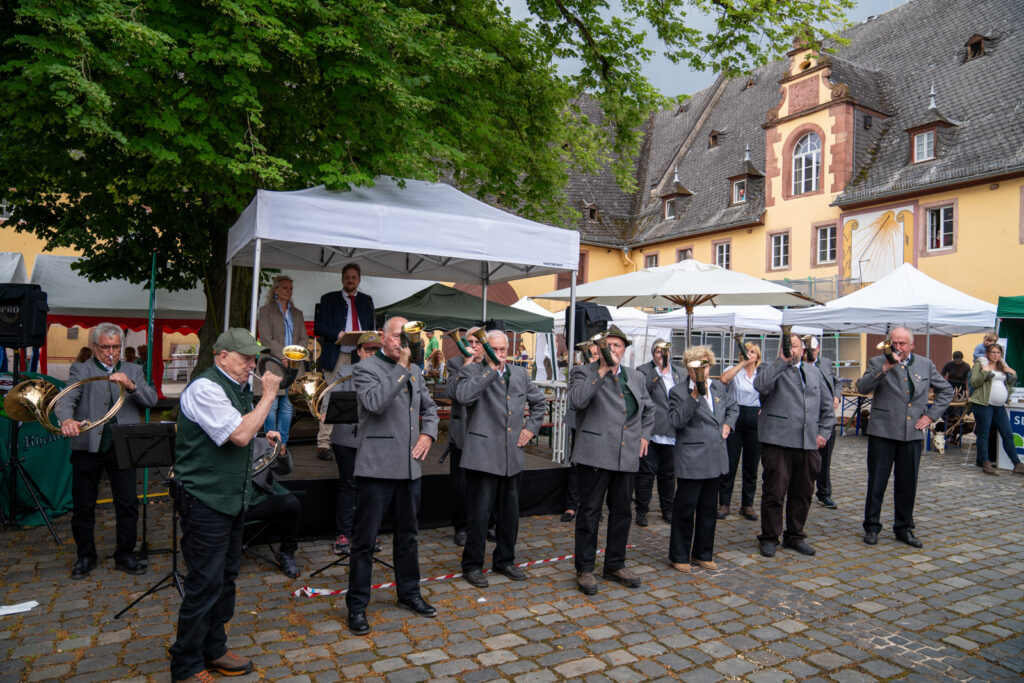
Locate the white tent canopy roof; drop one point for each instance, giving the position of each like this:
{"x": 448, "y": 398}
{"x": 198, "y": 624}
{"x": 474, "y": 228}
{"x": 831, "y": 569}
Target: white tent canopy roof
{"x": 525, "y": 304}
{"x": 738, "y": 319}
{"x": 425, "y": 230}
{"x": 12, "y": 267}
{"x": 68, "y": 293}
{"x": 688, "y": 282}
{"x": 906, "y": 296}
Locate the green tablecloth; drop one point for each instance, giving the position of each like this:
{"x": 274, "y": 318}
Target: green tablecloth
{"x": 47, "y": 460}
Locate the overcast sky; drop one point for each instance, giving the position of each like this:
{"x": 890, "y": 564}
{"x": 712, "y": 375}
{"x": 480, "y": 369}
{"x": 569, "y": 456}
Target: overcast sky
{"x": 677, "y": 79}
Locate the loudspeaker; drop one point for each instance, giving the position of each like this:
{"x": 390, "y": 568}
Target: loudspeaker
{"x": 23, "y": 311}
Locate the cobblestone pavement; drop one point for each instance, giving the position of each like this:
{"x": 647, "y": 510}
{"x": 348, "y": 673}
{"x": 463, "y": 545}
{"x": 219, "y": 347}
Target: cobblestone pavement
{"x": 949, "y": 611}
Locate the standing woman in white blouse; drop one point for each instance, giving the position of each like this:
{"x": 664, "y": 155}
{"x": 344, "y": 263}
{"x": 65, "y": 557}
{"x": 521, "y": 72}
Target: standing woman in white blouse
{"x": 740, "y": 380}
{"x": 991, "y": 382}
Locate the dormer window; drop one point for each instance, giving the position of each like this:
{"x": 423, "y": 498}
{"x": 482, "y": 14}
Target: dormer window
{"x": 739, "y": 191}
{"x": 975, "y": 47}
{"x": 924, "y": 145}
{"x": 670, "y": 208}
{"x": 713, "y": 139}
{"x": 591, "y": 212}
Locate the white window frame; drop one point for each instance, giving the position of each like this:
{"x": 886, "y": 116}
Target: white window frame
{"x": 669, "y": 211}
{"x": 780, "y": 251}
{"x": 924, "y": 146}
{"x": 651, "y": 260}
{"x": 737, "y": 187}
{"x": 940, "y": 220}
{"x": 723, "y": 255}
{"x": 829, "y": 235}
{"x": 807, "y": 164}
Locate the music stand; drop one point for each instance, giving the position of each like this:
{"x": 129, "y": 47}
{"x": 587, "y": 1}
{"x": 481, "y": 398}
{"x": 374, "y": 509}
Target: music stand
{"x": 150, "y": 445}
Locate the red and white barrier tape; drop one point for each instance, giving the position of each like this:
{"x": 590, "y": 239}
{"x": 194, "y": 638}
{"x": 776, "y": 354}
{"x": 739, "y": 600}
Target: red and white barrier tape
{"x": 309, "y": 592}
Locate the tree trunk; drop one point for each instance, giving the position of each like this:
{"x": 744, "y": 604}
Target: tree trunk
{"x": 213, "y": 287}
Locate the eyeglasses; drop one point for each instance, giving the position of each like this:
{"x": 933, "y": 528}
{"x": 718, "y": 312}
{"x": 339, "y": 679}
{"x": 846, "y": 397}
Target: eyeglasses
{"x": 110, "y": 347}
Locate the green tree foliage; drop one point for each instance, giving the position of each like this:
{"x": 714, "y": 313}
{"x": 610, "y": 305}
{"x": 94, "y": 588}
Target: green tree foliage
{"x": 133, "y": 127}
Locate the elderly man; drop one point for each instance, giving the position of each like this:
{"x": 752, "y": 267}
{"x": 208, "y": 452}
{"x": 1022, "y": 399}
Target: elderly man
{"x": 348, "y": 310}
{"x": 900, "y": 417}
{"x": 496, "y": 396}
{"x": 614, "y": 416}
{"x": 659, "y": 463}
{"x": 795, "y": 421}
{"x": 344, "y": 440}
{"x": 397, "y": 425}
{"x": 212, "y": 473}
{"x": 456, "y": 433}
{"x": 92, "y": 453}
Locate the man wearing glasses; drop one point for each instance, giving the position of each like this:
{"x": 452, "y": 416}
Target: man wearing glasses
{"x": 92, "y": 452}
{"x": 900, "y": 417}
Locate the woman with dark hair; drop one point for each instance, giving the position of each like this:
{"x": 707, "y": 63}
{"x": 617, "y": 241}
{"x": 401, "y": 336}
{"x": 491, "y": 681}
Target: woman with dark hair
{"x": 281, "y": 324}
{"x": 992, "y": 380}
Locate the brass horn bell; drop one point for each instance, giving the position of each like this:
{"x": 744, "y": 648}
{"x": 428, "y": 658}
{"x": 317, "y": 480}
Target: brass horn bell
{"x": 33, "y": 400}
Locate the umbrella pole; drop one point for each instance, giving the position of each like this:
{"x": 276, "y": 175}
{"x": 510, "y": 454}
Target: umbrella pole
{"x": 570, "y": 324}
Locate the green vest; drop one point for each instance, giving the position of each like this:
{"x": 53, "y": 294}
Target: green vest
{"x": 217, "y": 475}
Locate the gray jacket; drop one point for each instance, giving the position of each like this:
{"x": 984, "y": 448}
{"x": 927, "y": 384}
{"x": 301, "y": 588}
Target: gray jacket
{"x": 793, "y": 412}
{"x": 700, "y": 451}
{"x": 495, "y": 417}
{"x": 828, "y": 371}
{"x": 395, "y": 407}
{"x": 894, "y": 412}
{"x": 457, "y": 421}
{"x": 604, "y": 437}
{"x": 662, "y": 426}
{"x": 92, "y": 401}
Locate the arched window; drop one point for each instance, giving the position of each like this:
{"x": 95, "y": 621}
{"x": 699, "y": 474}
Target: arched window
{"x": 806, "y": 164}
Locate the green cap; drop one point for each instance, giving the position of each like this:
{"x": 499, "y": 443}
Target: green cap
{"x": 614, "y": 331}
{"x": 369, "y": 338}
{"x": 238, "y": 339}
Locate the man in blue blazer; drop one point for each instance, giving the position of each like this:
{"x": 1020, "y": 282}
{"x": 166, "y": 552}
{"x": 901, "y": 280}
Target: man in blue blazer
{"x": 334, "y": 318}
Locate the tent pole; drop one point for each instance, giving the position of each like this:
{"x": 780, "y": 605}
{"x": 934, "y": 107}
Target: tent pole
{"x": 255, "y": 286}
{"x": 570, "y": 323}
{"x": 483, "y": 295}
{"x": 927, "y": 340}
{"x": 227, "y": 297}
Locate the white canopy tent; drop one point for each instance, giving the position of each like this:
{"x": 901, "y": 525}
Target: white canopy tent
{"x": 422, "y": 230}
{"x": 544, "y": 344}
{"x": 907, "y": 297}
{"x": 12, "y": 267}
{"x": 636, "y": 325}
{"x": 730, "y": 319}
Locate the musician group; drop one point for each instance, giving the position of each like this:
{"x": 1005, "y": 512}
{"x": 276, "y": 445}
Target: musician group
{"x": 663, "y": 426}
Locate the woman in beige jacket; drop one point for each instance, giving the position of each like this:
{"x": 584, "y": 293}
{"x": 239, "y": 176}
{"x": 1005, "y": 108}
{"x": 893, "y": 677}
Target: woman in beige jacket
{"x": 281, "y": 324}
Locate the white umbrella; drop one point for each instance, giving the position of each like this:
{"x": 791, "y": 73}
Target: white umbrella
{"x": 687, "y": 284}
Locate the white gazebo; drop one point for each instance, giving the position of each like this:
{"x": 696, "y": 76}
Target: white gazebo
{"x": 12, "y": 268}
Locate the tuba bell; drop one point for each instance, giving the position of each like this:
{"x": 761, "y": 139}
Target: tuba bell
{"x": 308, "y": 392}
{"x": 267, "y": 459}
{"x": 885, "y": 346}
{"x": 33, "y": 400}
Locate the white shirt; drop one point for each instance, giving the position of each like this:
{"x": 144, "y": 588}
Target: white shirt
{"x": 205, "y": 403}
{"x": 742, "y": 389}
{"x": 997, "y": 395}
{"x": 667, "y": 381}
{"x": 348, "y": 317}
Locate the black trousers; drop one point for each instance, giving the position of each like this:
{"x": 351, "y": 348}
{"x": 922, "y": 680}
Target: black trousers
{"x": 86, "y": 469}
{"x": 597, "y": 487}
{"x": 572, "y": 489}
{"x": 886, "y": 456}
{"x": 788, "y": 482}
{"x": 212, "y": 545}
{"x": 824, "y": 480}
{"x": 660, "y": 464}
{"x": 345, "y": 507}
{"x": 486, "y": 494}
{"x": 285, "y": 511}
{"x": 693, "y": 520}
{"x": 742, "y": 440}
{"x": 373, "y": 497}
{"x": 457, "y": 488}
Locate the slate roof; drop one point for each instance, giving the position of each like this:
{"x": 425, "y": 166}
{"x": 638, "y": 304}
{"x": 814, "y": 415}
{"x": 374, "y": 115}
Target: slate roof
{"x": 889, "y": 66}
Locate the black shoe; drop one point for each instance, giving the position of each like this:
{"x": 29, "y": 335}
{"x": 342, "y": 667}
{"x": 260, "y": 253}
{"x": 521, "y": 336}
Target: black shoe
{"x": 419, "y": 606}
{"x": 82, "y": 567}
{"x": 641, "y": 519}
{"x": 475, "y": 577}
{"x": 358, "y": 624}
{"x": 910, "y": 539}
{"x": 568, "y": 516}
{"x": 460, "y": 538}
{"x": 799, "y": 545}
{"x": 377, "y": 547}
{"x": 130, "y": 565}
{"x": 827, "y": 502}
{"x": 511, "y": 571}
{"x": 768, "y": 548}
{"x": 492, "y": 534}
{"x": 288, "y": 566}
{"x": 324, "y": 454}
{"x": 871, "y": 537}
{"x": 667, "y": 516}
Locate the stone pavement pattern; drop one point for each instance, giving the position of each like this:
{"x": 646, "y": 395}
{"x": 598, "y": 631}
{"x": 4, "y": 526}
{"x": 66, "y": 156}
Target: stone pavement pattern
{"x": 949, "y": 611}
